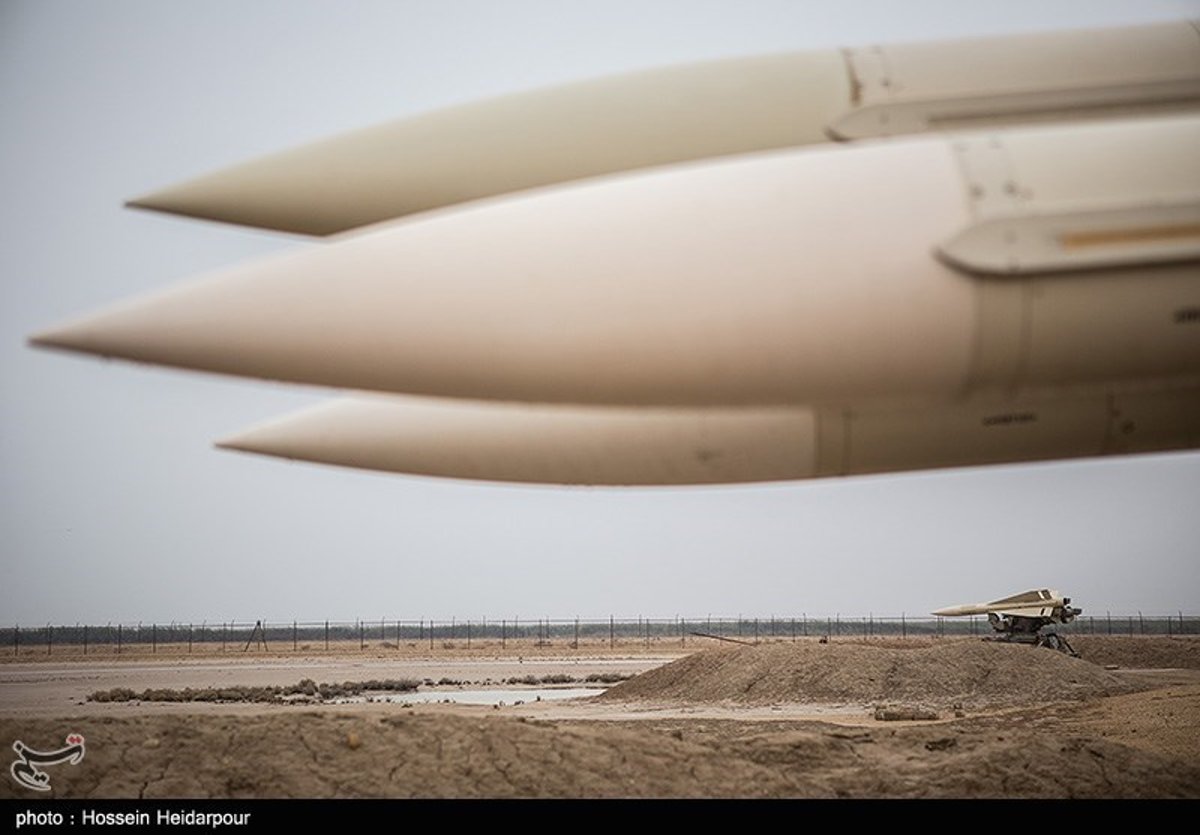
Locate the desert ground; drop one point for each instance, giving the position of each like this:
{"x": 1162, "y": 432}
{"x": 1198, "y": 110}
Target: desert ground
{"x": 853, "y": 718}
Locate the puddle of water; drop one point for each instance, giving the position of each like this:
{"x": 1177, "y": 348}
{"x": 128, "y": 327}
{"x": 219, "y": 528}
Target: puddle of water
{"x": 478, "y": 697}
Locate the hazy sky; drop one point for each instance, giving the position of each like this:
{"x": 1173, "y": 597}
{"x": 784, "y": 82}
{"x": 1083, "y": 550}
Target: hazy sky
{"x": 115, "y": 506}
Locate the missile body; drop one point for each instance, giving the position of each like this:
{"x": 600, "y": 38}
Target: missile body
{"x": 1036, "y": 603}
{"x": 696, "y": 112}
{"x": 559, "y": 444}
{"x": 991, "y": 264}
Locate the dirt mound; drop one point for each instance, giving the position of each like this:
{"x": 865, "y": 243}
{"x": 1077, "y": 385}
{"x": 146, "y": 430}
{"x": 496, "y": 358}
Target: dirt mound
{"x": 323, "y": 755}
{"x": 972, "y": 673}
{"x": 1140, "y": 652}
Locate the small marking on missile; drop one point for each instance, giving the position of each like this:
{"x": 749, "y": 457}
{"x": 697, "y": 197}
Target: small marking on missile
{"x": 1187, "y": 315}
{"x": 1144, "y": 234}
{"x": 1009, "y": 418}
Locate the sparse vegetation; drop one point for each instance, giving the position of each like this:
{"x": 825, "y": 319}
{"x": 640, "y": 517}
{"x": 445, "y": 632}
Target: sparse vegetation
{"x": 607, "y": 678}
{"x": 559, "y": 678}
{"x": 304, "y": 689}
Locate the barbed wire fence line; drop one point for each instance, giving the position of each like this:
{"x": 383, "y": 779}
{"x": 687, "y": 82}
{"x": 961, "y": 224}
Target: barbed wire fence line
{"x": 516, "y": 634}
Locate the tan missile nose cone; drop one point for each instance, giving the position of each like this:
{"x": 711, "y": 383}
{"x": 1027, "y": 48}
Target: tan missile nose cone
{"x": 806, "y": 277}
{"x": 523, "y": 141}
{"x": 744, "y": 281}
{"x": 544, "y": 444}
{"x": 699, "y": 111}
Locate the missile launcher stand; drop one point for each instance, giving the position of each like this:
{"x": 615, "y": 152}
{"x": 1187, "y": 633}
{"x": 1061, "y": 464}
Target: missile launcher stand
{"x": 1034, "y": 631}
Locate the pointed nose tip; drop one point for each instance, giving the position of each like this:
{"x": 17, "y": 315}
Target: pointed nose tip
{"x": 253, "y": 440}
{"x": 102, "y": 334}
{"x": 71, "y": 337}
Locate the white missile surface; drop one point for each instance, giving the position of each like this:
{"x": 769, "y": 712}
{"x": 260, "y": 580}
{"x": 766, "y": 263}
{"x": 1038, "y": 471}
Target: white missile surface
{"x": 805, "y": 277}
{"x": 1037, "y": 603}
{"x": 544, "y": 444}
{"x": 699, "y": 111}
{"x": 646, "y": 446}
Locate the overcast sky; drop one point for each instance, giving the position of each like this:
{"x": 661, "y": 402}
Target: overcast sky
{"x": 115, "y": 506}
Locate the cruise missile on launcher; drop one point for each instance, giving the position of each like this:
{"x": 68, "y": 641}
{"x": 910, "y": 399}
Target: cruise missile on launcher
{"x": 693, "y": 112}
{"x": 1024, "y": 618}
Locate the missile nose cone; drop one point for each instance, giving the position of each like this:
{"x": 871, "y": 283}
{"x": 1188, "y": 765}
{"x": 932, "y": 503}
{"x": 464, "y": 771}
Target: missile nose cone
{"x": 539, "y": 443}
{"x": 145, "y": 330}
{"x": 688, "y": 286}
{"x": 81, "y": 336}
{"x": 258, "y": 441}
{"x": 533, "y": 139}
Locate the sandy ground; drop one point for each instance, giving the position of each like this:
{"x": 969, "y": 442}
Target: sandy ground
{"x": 1128, "y": 732}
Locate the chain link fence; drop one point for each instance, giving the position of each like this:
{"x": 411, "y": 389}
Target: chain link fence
{"x": 517, "y": 635}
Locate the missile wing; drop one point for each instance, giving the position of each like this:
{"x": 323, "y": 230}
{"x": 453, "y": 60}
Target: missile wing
{"x": 677, "y": 114}
{"x": 1041, "y": 259}
{"x": 557, "y": 444}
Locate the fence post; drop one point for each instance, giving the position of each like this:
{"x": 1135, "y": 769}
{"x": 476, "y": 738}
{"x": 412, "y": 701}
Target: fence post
{"x": 154, "y": 638}
{"x": 362, "y": 641}
{"x": 189, "y": 637}
{"x": 1141, "y": 623}
{"x": 611, "y": 632}
{"x": 327, "y": 635}
{"x": 16, "y": 640}
{"x": 118, "y": 639}
{"x": 903, "y": 627}
{"x": 503, "y": 633}
{"x": 85, "y": 639}
{"x": 49, "y": 638}
{"x": 468, "y": 633}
